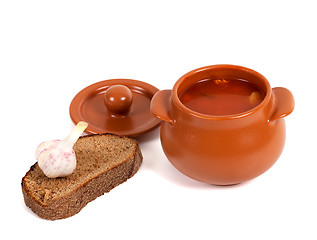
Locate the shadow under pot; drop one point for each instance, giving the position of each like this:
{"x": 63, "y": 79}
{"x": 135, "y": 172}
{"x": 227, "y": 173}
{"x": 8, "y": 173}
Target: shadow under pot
{"x": 222, "y": 124}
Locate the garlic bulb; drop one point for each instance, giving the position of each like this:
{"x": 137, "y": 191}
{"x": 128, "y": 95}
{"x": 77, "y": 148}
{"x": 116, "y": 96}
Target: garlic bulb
{"x": 57, "y": 158}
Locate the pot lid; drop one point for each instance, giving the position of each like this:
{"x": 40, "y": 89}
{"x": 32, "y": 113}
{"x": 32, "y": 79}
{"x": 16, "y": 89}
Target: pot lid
{"x": 119, "y": 106}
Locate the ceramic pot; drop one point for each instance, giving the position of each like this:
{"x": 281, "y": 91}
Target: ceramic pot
{"x": 223, "y": 150}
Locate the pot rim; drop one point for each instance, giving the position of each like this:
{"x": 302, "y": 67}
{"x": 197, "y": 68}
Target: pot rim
{"x": 264, "y": 102}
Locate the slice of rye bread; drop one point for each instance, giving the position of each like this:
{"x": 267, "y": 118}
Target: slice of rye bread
{"x": 103, "y": 162}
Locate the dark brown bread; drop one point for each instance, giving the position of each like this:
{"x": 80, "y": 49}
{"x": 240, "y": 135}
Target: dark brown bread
{"x": 103, "y": 162}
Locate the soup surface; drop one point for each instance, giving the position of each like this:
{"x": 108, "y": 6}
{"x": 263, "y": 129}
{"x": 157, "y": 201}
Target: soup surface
{"x": 221, "y": 97}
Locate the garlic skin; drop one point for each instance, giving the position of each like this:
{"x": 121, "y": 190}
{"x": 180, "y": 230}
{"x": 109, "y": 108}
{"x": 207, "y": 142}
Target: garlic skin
{"x": 54, "y": 160}
{"x": 57, "y": 158}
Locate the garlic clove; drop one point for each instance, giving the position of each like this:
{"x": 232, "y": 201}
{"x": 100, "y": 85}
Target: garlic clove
{"x": 43, "y": 146}
{"x": 57, "y": 158}
{"x": 56, "y": 161}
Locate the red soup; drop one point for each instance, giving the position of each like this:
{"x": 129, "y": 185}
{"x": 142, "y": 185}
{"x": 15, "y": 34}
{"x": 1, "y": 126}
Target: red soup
{"x": 221, "y": 97}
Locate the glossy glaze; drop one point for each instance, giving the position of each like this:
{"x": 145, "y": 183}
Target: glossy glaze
{"x": 223, "y": 150}
{"x": 119, "y": 106}
{"x": 118, "y": 99}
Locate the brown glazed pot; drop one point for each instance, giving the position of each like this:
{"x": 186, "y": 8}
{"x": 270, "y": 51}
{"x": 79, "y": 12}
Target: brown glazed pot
{"x": 223, "y": 150}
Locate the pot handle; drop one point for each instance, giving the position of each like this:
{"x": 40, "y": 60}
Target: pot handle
{"x": 161, "y": 105}
{"x": 283, "y": 103}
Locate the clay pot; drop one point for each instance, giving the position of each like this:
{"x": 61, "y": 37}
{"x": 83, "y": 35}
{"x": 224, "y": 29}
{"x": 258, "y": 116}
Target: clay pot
{"x": 223, "y": 150}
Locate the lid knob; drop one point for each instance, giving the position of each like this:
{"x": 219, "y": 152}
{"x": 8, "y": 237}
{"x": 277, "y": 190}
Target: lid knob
{"x": 118, "y": 99}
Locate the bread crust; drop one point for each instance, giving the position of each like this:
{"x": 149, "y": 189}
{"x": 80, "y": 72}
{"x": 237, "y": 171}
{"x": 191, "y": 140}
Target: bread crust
{"x": 70, "y": 204}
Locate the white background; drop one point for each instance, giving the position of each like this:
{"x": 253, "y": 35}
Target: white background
{"x": 50, "y": 50}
